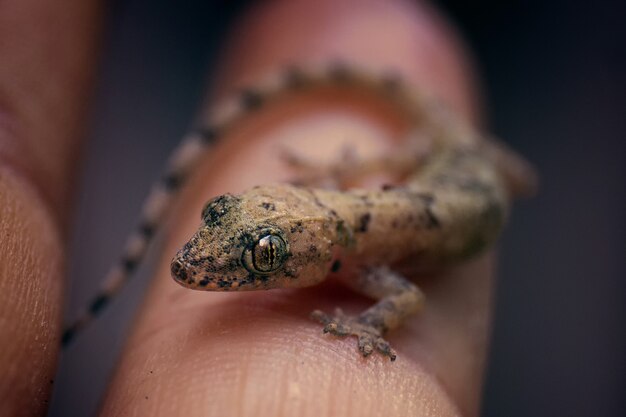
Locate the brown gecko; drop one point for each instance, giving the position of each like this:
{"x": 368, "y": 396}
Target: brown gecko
{"x": 451, "y": 206}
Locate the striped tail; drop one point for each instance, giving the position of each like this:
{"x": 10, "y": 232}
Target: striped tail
{"x": 155, "y": 210}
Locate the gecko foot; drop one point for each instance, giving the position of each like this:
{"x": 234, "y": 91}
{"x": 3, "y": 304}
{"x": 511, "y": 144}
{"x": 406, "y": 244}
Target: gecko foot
{"x": 369, "y": 337}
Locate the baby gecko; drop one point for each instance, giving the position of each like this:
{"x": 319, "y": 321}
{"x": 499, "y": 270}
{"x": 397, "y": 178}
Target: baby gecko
{"x": 451, "y": 206}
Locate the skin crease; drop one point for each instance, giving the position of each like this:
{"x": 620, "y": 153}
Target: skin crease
{"x": 45, "y": 75}
{"x": 197, "y": 353}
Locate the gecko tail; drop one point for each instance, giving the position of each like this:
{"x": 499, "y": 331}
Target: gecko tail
{"x": 154, "y": 212}
{"x": 115, "y": 281}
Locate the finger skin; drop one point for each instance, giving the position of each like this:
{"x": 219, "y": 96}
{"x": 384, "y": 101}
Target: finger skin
{"x": 197, "y": 353}
{"x": 45, "y": 71}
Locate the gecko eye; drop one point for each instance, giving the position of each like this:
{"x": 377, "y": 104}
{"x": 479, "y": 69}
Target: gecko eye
{"x": 266, "y": 256}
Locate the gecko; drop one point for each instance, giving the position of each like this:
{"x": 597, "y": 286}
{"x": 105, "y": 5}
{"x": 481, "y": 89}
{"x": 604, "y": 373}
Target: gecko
{"x": 450, "y": 205}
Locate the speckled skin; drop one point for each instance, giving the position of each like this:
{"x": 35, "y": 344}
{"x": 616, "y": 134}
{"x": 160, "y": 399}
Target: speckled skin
{"x": 452, "y": 206}
{"x": 453, "y": 210}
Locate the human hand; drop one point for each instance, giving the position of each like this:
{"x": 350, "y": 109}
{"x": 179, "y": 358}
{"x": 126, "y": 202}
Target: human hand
{"x": 197, "y": 353}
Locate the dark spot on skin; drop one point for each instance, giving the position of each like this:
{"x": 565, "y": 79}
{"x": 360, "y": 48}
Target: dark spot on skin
{"x": 245, "y": 241}
{"x": 333, "y": 213}
{"x": 171, "y": 181}
{"x": 194, "y": 262}
{"x": 319, "y": 203}
{"x": 294, "y": 78}
{"x": 68, "y": 335}
{"x": 394, "y": 223}
{"x": 268, "y": 206}
{"x": 392, "y": 82}
{"x": 147, "y": 230}
{"x": 178, "y": 271}
{"x": 344, "y": 234}
{"x": 364, "y": 222}
{"x": 208, "y": 134}
{"x": 98, "y": 303}
{"x": 189, "y": 245}
{"x": 221, "y": 283}
{"x": 336, "y": 266}
{"x": 251, "y": 100}
{"x": 313, "y": 249}
{"x": 316, "y": 200}
{"x": 204, "y": 282}
{"x": 129, "y": 264}
{"x": 431, "y": 220}
{"x": 218, "y": 207}
{"x": 339, "y": 72}
{"x": 253, "y": 279}
{"x": 366, "y": 201}
{"x": 234, "y": 265}
{"x": 297, "y": 228}
{"x": 387, "y": 187}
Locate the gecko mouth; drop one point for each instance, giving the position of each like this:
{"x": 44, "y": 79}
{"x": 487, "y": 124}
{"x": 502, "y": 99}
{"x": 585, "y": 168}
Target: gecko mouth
{"x": 180, "y": 272}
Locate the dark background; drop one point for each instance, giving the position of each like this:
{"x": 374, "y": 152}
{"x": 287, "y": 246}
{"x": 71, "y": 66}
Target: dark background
{"x": 555, "y": 79}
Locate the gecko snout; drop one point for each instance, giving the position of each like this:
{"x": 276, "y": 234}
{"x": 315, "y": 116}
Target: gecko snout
{"x": 179, "y": 272}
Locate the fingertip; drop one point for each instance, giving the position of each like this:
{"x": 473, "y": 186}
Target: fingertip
{"x": 411, "y": 39}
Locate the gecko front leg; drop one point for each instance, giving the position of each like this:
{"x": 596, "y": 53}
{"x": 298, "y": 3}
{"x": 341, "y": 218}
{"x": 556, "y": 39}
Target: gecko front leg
{"x": 398, "y": 298}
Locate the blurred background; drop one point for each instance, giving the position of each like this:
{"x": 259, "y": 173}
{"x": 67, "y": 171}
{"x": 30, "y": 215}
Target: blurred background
{"x": 555, "y": 80}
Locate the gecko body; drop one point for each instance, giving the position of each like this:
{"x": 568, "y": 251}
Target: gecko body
{"x": 451, "y": 206}
{"x": 441, "y": 217}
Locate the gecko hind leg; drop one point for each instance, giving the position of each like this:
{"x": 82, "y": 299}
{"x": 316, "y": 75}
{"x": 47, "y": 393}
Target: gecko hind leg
{"x": 350, "y": 168}
{"x": 398, "y": 298}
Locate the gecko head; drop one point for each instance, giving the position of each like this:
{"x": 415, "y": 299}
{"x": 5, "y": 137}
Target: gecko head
{"x": 269, "y": 237}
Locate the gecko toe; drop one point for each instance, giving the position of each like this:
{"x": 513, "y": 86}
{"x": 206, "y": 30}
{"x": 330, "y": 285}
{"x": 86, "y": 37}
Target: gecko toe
{"x": 365, "y": 345}
{"x": 321, "y": 317}
{"x": 383, "y": 347}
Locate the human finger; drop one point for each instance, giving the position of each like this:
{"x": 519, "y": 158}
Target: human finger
{"x": 195, "y": 353}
